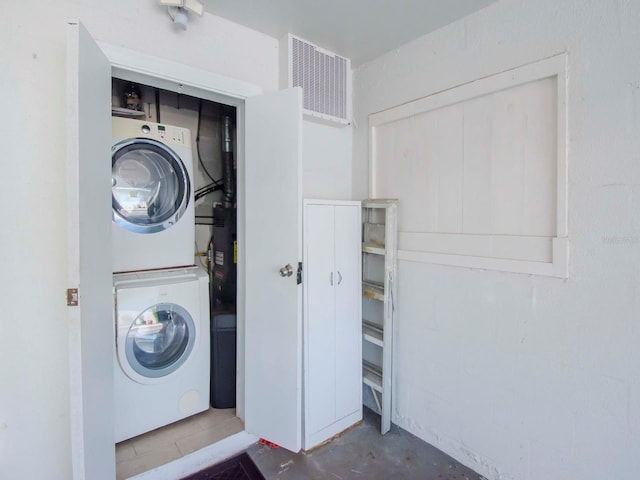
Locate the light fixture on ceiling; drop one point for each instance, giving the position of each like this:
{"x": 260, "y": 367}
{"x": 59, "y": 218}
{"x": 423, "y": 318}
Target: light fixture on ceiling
{"x": 179, "y": 10}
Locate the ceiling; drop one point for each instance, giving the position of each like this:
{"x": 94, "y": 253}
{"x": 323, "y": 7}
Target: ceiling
{"x": 357, "y": 29}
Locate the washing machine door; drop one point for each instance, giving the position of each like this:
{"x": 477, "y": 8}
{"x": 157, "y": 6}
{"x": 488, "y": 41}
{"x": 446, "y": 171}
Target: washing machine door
{"x": 159, "y": 341}
{"x": 150, "y": 185}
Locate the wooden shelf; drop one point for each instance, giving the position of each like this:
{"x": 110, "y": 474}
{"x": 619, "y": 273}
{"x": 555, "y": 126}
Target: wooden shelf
{"x": 379, "y": 202}
{"x": 372, "y": 248}
{"x": 372, "y": 376}
{"x": 373, "y": 290}
{"x": 372, "y": 333}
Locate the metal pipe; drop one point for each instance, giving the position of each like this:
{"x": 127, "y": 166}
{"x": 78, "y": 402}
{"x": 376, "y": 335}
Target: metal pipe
{"x": 227, "y": 164}
{"x": 226, "y": 145}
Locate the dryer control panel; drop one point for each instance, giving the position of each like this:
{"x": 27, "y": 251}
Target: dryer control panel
{"x": 167, "y": 134}
{"x": 171, "y": 134}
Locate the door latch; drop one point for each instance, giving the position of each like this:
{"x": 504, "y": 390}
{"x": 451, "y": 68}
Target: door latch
{"x": 299, "y": 274}
{"x": 72, "y": 297}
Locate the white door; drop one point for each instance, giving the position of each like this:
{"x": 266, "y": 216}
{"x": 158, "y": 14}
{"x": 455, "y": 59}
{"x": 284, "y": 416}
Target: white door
{"x": 273, "y": 240}
{"x": 91, "y": 325}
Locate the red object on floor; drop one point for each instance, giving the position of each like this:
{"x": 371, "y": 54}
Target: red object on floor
{"x": 268, "y": 443}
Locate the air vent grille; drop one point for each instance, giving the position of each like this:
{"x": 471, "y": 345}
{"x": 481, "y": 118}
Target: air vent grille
{"x": 323, "y": 76}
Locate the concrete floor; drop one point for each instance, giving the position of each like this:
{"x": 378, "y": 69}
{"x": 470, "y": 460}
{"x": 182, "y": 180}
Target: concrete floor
{"x": 362, "y": 453}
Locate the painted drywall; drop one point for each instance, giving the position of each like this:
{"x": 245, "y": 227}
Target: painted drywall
{"x": 520, "y": 376}
{"x": 34, "y": 340}
{"x": 326, "y": 161}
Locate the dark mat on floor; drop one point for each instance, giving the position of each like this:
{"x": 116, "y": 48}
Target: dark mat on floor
{"x": 240, "y": 467}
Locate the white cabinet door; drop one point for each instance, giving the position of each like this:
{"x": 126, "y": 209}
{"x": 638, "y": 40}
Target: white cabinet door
{"x": 89, "y": 269}
{"x": 348, "y": 307}
{"x": 273, "y": 239}
{"x": 320, "y": 327}
{"x": 333, "y": 386}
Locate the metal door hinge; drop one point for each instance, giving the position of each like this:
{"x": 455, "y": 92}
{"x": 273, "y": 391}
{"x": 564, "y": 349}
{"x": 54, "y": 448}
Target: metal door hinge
{"x": 72, "y": 297}
{"x": 299, "y": 274}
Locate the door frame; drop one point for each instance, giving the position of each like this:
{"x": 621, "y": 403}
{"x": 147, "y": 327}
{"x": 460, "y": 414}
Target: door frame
{"x": 157, "y": 72}
{"x": 154, "y": 71}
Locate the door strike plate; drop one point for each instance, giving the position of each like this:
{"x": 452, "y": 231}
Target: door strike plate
{"x": 72, "y": 297}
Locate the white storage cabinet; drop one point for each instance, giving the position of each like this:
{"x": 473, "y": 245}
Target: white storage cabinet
{"x": 332, "y": 319}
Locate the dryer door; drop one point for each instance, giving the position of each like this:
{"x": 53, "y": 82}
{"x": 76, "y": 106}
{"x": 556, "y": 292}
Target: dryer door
{"x": 159, "y": 341}
{"x": 150, "y": 185}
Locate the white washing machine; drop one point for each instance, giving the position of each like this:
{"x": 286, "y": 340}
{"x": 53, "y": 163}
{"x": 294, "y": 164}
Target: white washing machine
{"x": 162, "y": 344}
{"x": 152, "y": 196}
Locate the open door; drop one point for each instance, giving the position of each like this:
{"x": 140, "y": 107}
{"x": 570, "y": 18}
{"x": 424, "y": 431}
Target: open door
{"x": 91, "y": 327}
{"x": 273, "y": 248}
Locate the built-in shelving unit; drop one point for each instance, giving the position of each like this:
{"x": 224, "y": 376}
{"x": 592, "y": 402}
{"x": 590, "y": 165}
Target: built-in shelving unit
{"x": 379, "y": 265}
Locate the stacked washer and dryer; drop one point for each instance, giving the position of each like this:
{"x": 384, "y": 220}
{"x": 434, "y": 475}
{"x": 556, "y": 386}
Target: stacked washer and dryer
{"x": 161, "y": 301}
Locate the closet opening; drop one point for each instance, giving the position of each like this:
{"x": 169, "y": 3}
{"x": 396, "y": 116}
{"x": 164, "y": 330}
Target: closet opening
{"x": 212, "y": 145}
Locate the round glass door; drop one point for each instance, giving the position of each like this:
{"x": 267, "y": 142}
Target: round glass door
{"x": 149, "y": 184}
{"x": 160, "y": 340}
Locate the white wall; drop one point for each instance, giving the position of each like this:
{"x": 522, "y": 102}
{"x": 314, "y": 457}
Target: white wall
{"x": 34, "y": 356}
{"x": 518, "y": 376}
{"x": 326, "y": 161}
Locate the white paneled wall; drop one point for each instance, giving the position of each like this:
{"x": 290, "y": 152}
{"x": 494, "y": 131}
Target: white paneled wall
{"x": 509, "y": 161}
{"x": 419, "y": 160}
{"x": 477, "y": 169}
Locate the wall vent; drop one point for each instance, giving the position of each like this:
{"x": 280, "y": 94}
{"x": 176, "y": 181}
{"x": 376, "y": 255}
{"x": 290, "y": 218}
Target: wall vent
{"x": 324, "y": 77}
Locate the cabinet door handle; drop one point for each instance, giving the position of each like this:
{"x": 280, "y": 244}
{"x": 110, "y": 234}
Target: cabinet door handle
{"x": 331, "y": 279}
{"x": 339, "y": 277}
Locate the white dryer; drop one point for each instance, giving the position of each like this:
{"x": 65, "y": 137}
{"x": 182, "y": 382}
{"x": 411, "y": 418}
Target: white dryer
{"x": 152, "y": 196}
{"x": 162, "y": 345}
